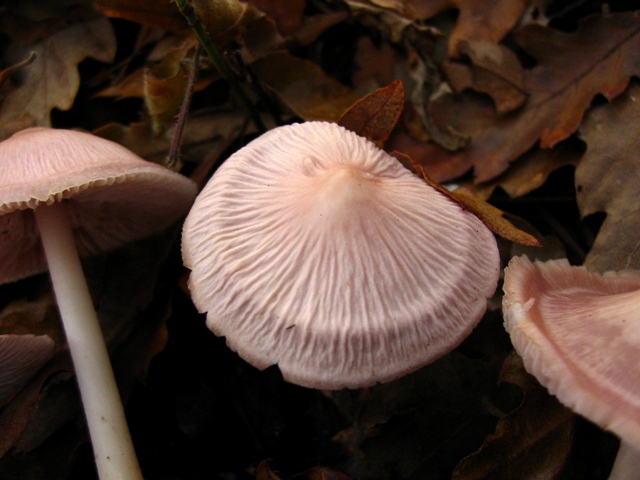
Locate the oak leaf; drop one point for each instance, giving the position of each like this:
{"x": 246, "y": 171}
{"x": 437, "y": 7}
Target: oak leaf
{"x": 598, "y": 58}
{"x": 492, "y": 217}
{"x": 287, "y": 14}
{"x": 608, "y": 180}
{"x": 304, "y": 87}
{"x": 52, "y": 80}
{"x": 529, "y": 172}
{"x": 164, "y": 15}
{"x": 494, "y": 70}
{"x": 531, "y": 442}
{"x": 375, "y": 115}
{"x": 478, "y": 20}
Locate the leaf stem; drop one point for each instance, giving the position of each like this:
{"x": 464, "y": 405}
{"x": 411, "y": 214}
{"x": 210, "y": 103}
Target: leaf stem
{"x": 174, "y": 152}
{"x": 187, "y": 10}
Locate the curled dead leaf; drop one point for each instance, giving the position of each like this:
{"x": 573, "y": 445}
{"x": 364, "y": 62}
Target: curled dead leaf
{"x": 375, "y": 115}
{"x": 304, "y": 87}
{"x": 533, "y": 441}
{"x": 491, "y": 216}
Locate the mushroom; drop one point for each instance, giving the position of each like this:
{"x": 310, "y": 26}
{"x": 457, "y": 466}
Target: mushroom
{"x": 313, "y": 249}
{"x": 73, "y": 193}
{"x": 578, "y": 333}
{"x": 21, "y": 356}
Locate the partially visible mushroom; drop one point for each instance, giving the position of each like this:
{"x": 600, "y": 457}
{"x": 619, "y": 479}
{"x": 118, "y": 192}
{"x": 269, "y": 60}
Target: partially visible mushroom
{"x": 72, "y": 192}
{"x": 578, "y": 333}
{"x": 312, "y": 249}
{"x": 21, "y": 356}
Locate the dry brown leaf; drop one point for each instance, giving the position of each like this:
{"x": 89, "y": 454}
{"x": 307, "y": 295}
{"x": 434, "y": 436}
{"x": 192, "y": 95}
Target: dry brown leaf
{"x": 201, "y": 136}
{"x": 533, "y": 441}
{"x": 52, "y": 80}
{"x": 494, "y": 70}
{"x": 304, "y": 87}
{"x": 478, "y": 20}
{"x": 7, "y": 72}
{"x": 528, "y": 172}
{"x": 164, "y": 15}
{"x": 599, "y": 58}
{"x": 287, "y": 14}
{"x": 164, "y": 87}
{"x": 608, "y": 180}
{"x": 492, "y": 217}
{"x": 225, "y": 20}
{"x": 376, "y": 115}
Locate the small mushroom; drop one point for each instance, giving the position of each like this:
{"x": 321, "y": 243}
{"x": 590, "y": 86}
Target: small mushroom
{"x": 578, "y": 333}
{"x": 21, "y": 356}
{"x": 312, "y": 249}
{"x": 72, "y": 192}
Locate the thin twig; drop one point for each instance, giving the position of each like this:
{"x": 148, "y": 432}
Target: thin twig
{"x": 176, "y": 144}
{"x": 219, "y": 63}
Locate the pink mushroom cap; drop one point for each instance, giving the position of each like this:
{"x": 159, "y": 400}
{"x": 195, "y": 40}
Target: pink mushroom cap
{"x": 578, "y": 333}
{"x": 113, "y": 195}
{"x": 312, "y": 249}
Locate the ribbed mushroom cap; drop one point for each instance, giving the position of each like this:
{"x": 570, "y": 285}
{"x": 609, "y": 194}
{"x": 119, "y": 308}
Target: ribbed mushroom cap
{"x": 21, "y": 356}
{"x": 313, "y": 249}
{"x": 579, "y": 335}
{"x": 116, "y": 196}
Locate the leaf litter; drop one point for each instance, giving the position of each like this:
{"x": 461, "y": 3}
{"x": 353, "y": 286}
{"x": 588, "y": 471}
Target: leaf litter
{"x": 498, "y": 101}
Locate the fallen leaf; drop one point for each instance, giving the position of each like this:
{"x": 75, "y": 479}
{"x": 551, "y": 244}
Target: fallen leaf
{"x": 324, "y": 473}
{"x": 164, "y": 87}
{"x": 52, "y": 80}
{"x": 202, "y": 134}
{"x": 529, "y": 172}
{"x": 376, "y": 115}
{"x": 608, "y": 180}
{"x": 533, "y": 441}
{"x": 478, "y": 20}
{"x": 163, "y": 14}
{"x": 287, "y": 14}
{"x": 225, "y": 20}
{"x": 264, "y": 471}
{"x": 598, "y": 58}
{"x": 304, "y": 87}
{"x": 494, "y": 70}
{"x": 492, "y": 217}
{"x": 376, "y": 64}
{"x": 7, "y": 72}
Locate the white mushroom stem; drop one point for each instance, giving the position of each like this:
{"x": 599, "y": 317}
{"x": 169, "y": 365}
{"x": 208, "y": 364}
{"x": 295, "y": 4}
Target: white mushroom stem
{"x": 113, "y": 449}
{"x": 627, "y": 464}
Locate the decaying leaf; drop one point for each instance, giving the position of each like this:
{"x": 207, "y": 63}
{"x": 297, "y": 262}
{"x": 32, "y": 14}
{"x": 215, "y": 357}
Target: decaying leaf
{"x": 7, "y": 72}
{"x": 529, "y": 172}
{"x": 153, "y": 13}
{"x": 375, "y": 115}
{"x": 201, "y": 136}
{"x": 478, "y": 20}
{"x": 52, "y": 80}
{"x": 492, "y": 217}
{"x": 225, "y": 20}
{"x": 572, "y": 68}
{"x": 304, "y": 87}
{"x": 608, "y": 180}
{"x": 165, "y": 85}
{"x": 531, "y": 442}
{"x": 287, "y": 14}
{"x": 494, "y": 70}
